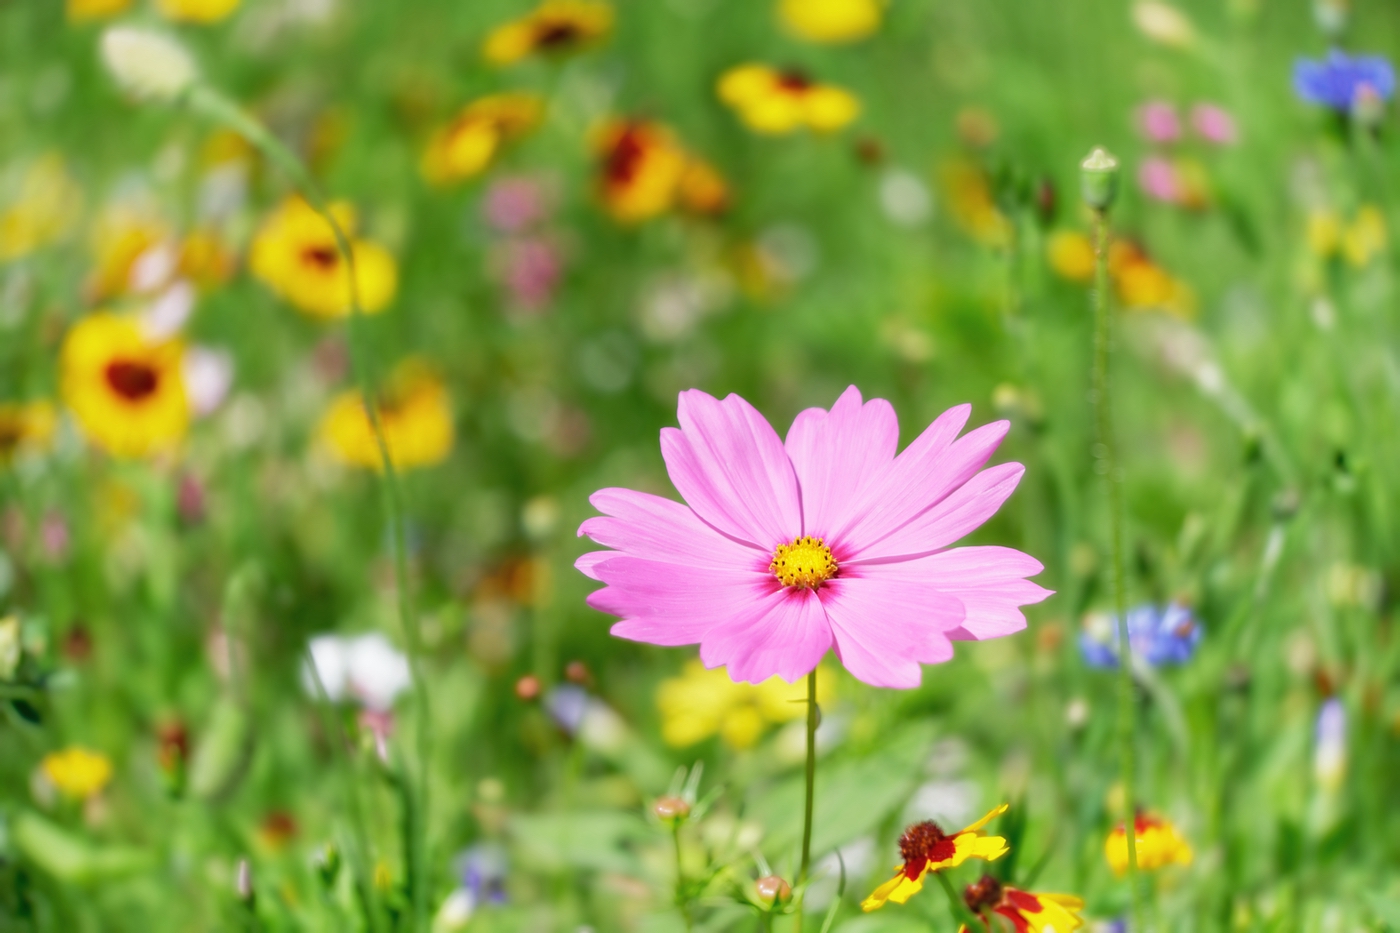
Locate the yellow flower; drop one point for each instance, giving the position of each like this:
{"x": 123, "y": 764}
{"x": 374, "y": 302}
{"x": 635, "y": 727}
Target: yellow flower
{"x": 466, "y": 146}
{"x": 47, "y": 207}
{"x": 77, "y": 772}
{"x": 555, "y": 26}
{"x": 126, "y": 391}
{"x": 196, "y": 11}
{"x": 415, "y": 414}
{"x": 971, "y": 204}
{"x": 1324, "y": 233}
{"x": 1026, "y": 911}
{"x": 773, "y": 101}
{"x": 1071, "y": 255}
{"x": 205, "y": 259}
{"x": 700, "y": 703}
{"x": 120, "y": 236}
{"x": 640, "y": 169}
{"x": 702, "y": 189}
{"x": 1158, "y": 845}
{"x": 80, "y": 11}
{"x": 24, "y": 424}
{"x": 1365, "y": 238}
{"x": 925, "y": 848}
{"x": 830, "y": 20}
{"x": 295, "y": 253}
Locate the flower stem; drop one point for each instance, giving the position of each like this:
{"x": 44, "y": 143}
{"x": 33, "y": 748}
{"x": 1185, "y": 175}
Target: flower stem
{"x": 813, "y": 715}
{"x": 216, "y": 106}
{"x": 682, "y": 903}
{"x": 959, "y": 909}
{"x": 1103, "y": 420}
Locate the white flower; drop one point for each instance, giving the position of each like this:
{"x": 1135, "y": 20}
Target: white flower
{"x": 366, "y": 668}
{"x": 1330, "y": 752}
{"x": 148, "y": 65}
{"x": 1164, "y": 24}
{"x": 10, "y": 648}
{"x": 208, "y": 375}
{"x": 454, "y": 912}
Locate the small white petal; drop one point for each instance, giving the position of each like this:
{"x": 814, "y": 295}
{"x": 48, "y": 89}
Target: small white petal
{"x": 148, "y": 65}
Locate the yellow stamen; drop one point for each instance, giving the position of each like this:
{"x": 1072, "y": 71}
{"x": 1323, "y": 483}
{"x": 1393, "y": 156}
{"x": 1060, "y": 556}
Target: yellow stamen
{"x": 806, "y": 563}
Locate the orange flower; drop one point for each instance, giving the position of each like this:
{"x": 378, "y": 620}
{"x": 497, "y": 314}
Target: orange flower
{"x": 641, "y": 164}
{"x": 1027, "y": 912}
{"x": 925, "y": 848}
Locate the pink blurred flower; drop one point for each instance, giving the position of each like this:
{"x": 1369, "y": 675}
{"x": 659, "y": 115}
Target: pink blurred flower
{"x": 1158, "y": 122}
{"x": 1157, "y": 177}
{"x": 1214, "y": 124}
{"x": 55, "y": 536}
{"x": 785, "y": 550}
{"x": 514, "y": 204}
{"x": 530, "y": 268}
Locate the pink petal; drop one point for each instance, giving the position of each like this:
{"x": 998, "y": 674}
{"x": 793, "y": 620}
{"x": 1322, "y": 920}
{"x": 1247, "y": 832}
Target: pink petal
{"x": 987, "y": 580}
{"x": 786, "y": 636}
{"x": 689, "y": 599}
{"x": 837, "y": 453}
{"x": 920, "y": 478}
{"x": 587, "y": 562}
{"x": 885, "y": 627}
{"x": 644, "y": 525}
{"x": 962, "y": 512}
{"x": 730, "y": 467}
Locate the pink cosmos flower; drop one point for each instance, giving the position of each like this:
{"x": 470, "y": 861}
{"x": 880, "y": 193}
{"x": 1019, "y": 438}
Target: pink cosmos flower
{"x": 1158, "y": 122}
{"x": 1158, "y": 179}
{"x": 1214, "y": 124}
{"x": 784, "y": 550}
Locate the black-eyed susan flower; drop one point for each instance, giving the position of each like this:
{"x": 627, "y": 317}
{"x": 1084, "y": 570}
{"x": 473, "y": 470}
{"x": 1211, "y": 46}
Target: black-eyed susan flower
{"x": 1158, "y": 845}
{"x": 971, "y": 203}
{"x": 295, "y": 254}
{"x": 45, "y": 208}
{"x": 1142, "y": 285}
{"x": 772, "y": 100}
{"x": 81, "y": 11}
{"x": 126, "y": 389}
{"x": 640, "y": 166}
{"x": 415, "y": 413}
{"x": 196, "y": 11}
{"x": 1026, "y": 912}
{"x": 24, "y": 425}
{"x": 77, "y": 772}
{"x": 466, "y": 146}
{"x": 925, "y": 847}
{"x": 555, "y": 27}
{"x": 830, "y": 20}
{"x": 701, "y": 703}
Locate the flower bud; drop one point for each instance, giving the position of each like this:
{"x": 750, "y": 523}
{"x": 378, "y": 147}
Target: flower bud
{"x": 1098, "y": 177}
{"x": 1367, "y": 106}
{"x": 243, "y": 882}
{"x": 773, "y": 890}
{"x": 670, "y": 808}
{"x": 148, "y": 65}
{"x": 528, "y": 687}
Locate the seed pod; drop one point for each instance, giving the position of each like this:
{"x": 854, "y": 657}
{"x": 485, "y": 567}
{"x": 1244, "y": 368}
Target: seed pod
{"x": 1098, "y": 176}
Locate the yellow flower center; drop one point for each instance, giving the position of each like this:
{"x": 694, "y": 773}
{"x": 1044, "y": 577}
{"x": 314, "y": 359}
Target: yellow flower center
{"x": 806, "y": 563}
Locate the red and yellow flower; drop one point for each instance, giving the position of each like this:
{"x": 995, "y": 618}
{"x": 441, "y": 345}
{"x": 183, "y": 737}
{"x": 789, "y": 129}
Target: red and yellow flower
{"x": 466, "y": 146}
{"x": 926, "y": 848}
{"x": 1026, "y": 912}
{"x": 126, "y": 390}
{"x": 414, "y": 412}
{"x": 778, "y": 101}
{"x": 295, "y": 254}
{"x": 1158, "y": 845}
{"x": 830, "y": 20}
{"x": 640, "y": 166}
{"x": 555, "y": 27}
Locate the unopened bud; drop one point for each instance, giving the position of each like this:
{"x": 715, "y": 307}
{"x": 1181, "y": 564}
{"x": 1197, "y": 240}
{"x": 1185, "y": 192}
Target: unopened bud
{"x": 1367, "y": 106}
{"x": 670, "y": 808}
{"x": 1098, "y": 178}
{"x": 576, "y": 672}
{"x": 773, "y": 890}
{"x": 243, "y": 882}
{"x": 528, "y": 687}
{"x": 148, "y": 65}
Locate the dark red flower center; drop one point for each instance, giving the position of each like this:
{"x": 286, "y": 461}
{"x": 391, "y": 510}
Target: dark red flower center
{"x": 132, "y": 380}
{"x": 923, "y": 843}
{"x": 557, "y": 34}
{"x": 793, "y": 81}
{"x": 624, "y": 159}
{"x": 322, "y": 257}
{"x": 11, "y": 433}
{"x": 985, "y": 893}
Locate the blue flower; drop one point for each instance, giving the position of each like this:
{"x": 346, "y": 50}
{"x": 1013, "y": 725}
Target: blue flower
{"x": 1158, "y": 635}
{"x": 1336, "y": 81}
{"x": 481, "y": 871}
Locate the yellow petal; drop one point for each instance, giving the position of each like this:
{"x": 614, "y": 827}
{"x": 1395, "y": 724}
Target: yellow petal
{"x": 830, "y": 108}
{"x": 991, "y": 815}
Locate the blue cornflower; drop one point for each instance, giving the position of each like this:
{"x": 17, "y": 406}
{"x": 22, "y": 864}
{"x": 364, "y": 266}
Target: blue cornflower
{"x": 1158, "y": 635}
{"x": 1336, "y": 81}
{"x": 482, "y": 872}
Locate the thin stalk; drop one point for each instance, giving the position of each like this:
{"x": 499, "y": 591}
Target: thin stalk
{"x": 956, "y": 905}
{"x": 211, "y": 103}
{"x": 681, "y": 901}
{"x": 1103, "y": 420}
{"x": 813, "y": 714}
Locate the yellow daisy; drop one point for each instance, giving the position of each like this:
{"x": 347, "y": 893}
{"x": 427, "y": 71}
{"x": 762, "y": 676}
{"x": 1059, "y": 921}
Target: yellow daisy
{"x": 1071, "y": 254}
{"x": 196, "y": 11}
{"x": 24, "y": 425}
{"x": 830, "y": 20}
{"x": 1158, "y": 845}
{"x": 77, "y": 772}
{"x": 295, "y": 254}
{"x": 554, "y": 27}
{"x": 80, "y": 11}
{"x": 46, "y": 208}
{"x": 121, "y": 235}
{"x": 415, "y": 413}
{"x": 772, "y": 101}
{"x": 925, "y": 848}
{"x": 127, "y": 391}
{"x": 466, "y": 146}
{"x": 640, "y": 169}
{"x": 700, "y": 703}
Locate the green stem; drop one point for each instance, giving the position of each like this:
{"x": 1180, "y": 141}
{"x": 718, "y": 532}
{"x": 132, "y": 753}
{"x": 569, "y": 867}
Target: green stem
{"x": 1103, "y": 420}
{"x": 681, "y": 901}
{"x": 813, "y": 714}
{"x": 216, "y": 106}
{"x": 956, "y": 905}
